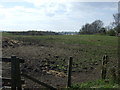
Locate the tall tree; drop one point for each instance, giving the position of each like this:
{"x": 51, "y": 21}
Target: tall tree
{"x": 97, "y": 25}
{"x": 92, "y": 28}
{"x": 116, "y": 22}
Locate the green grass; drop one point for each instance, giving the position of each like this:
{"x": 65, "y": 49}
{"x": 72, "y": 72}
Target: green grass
{"x": 95, "y": 84}
{"x": 69, "y": 39}
{"x": 87, "y": 50}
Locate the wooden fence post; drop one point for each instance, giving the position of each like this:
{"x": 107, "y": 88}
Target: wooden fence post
{"x": 118, "y": 71}
{"x": 15, "y": 74}
{"x": 104, "y": 66}
{"x": 18, "y": 75}
{"x": 69, "y": 72}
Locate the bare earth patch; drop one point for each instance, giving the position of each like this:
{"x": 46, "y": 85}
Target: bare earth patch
{"x": 49, "y": 63}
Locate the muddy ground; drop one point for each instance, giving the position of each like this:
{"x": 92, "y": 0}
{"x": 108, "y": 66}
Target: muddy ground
{"x": 42, "y": 62}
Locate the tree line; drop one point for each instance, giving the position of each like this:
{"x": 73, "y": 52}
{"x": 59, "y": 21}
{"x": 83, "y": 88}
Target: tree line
{"x": 34, "y": 33}
{"x": 97, "y": 27}
{"x": 93, "y": 28}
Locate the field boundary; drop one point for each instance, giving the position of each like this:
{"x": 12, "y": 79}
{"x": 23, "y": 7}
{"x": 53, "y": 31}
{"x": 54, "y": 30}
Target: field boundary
{"x": 15, "y": 81}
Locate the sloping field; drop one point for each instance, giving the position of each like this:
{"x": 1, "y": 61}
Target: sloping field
{"x": 45, "y": 53}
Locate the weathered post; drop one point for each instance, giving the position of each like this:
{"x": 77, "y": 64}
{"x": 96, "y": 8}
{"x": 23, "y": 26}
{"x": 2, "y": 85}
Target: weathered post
{"x": 118, "y": 43}
{"x": 13, "y": 73}
{"x": 104, "y": 66}
{"x": 118, "y": 61}
{"x": 69, "y": 72}
{"x": 18, "y": 81}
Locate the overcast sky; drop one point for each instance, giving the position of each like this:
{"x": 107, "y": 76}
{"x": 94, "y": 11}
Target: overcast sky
{"x": 53, "y": 15}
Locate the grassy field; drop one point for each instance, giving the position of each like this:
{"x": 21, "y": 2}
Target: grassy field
{"x": 99, "y": 40}
{"x": 87, "y": 51}
{"x": 84, "y": 48}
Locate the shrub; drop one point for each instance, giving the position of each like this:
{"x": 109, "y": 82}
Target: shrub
{"x": 111, "y": 32}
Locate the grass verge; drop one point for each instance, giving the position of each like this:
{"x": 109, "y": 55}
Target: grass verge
{"x": 96, "y": 84}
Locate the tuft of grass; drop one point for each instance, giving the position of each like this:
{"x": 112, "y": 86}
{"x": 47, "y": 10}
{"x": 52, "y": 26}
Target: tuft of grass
{"x": 95, "y": 84}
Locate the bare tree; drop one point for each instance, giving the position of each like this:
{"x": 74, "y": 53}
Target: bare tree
{"x": 116, "y": 22}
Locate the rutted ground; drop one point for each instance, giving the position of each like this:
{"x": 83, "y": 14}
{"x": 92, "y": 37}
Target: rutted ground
{"x": 48, "y": 62}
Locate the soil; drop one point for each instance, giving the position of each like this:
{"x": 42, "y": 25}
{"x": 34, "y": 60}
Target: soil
{"x": 36, "y": 64}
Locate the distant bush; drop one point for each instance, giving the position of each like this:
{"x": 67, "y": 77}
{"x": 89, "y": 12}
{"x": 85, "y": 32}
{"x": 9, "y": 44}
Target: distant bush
{"x": 111, "y": 32}
{"x": 34, "y": 33}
